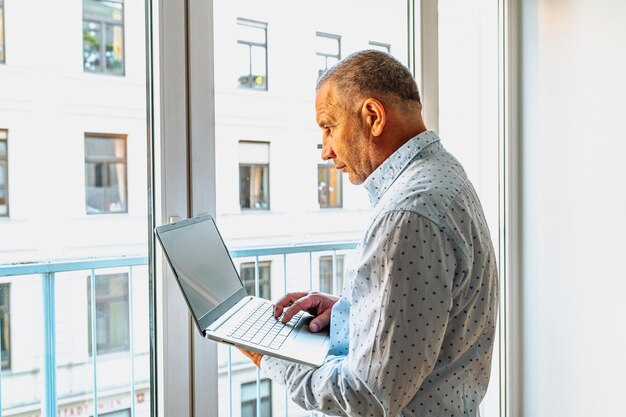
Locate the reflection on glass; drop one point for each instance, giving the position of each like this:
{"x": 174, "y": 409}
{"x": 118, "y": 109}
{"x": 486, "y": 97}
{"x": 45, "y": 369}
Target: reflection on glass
{"x": 5, "y": 329}
{"x": 249, "y": 399}
{"x": 327, "y": 284}
{"x": 254, "y": 187}
{"x": 105, "y": 175}
{"x": 4, "y": 173}
{"x": 246, "y": 272}
{"x": 2, "y": 58}
{"x": 329, "y": 186}
{"x": 252, "y": 50}
{"x": 103, "y": 36}
{"x": 111, "y": 313}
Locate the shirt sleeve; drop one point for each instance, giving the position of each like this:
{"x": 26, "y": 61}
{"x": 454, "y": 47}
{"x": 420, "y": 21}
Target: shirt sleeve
{"x": 400, "y": 303}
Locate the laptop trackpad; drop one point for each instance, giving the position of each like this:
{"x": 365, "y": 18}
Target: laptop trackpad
{"x": 305, "y": 335}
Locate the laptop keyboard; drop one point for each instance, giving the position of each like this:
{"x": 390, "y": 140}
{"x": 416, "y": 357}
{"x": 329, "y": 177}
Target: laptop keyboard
{"x": 261, "y": 328}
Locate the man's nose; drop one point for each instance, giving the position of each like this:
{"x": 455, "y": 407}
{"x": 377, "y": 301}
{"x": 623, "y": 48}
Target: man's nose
{"x": 327, "y": 151}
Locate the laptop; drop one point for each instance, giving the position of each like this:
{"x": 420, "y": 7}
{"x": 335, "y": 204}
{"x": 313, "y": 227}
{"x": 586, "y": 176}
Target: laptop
{"x": 219, "y": 303}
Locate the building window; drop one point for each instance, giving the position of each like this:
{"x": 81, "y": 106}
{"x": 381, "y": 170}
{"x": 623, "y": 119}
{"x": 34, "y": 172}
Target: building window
{"x": 385, "y": 47}
{"x": 5, "y": 328}
{"x": 328, "y": 51}
{"x": 246, "y": 272}
{"x": 103, "y": 36}
{"x": 252, "y": 54}
{"x": 329, "y": 186}
{"x": 4, "y": 174}
{"x": 248, "y": 399}
{"x": 112, "y": 323}
{"x": 2, "y": 57}
{"x": 105, "y": 174}
{"x": 254, "y": 175}
{"x": 329, "y": 285}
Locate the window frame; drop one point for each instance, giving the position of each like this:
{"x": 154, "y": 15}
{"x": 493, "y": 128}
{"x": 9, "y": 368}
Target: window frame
{"x": 263, "y": 282}
{"x": 123, "y": 160}
{"x": 185, "y": 93}
{"x": 5, "y": 311}
{"x": 103, "y": 22}
{"x": 327, "y": 55}
{"x": 108, "y": 299}
{"x": 331, "y": 170}
{"x": 267, "y": 398}
{"x": 256, "y": 24}
{"x": 336, "y": 273}
{"x": 4, "y": 161}
{"x": 3, "y": 51}
{"x": 250, "y": 165}
{"x": 380, "y": 46}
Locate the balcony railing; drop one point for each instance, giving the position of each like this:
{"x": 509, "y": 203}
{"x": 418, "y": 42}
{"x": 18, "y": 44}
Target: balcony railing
{"x": 48, "y": 272}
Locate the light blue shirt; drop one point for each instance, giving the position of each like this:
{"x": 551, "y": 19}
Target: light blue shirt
{"x": 413, "y": 331}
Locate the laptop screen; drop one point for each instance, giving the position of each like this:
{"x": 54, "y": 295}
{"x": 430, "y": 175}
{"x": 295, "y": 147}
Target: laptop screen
{"x": 200, "y": 260}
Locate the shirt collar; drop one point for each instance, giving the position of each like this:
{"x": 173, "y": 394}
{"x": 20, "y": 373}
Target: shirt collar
{"x": 381, "y": 179}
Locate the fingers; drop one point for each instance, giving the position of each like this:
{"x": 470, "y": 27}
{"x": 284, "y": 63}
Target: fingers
{"x": 253, "y": 356}
{"x": 287, "y": 300}
{"x": 321, "y": 321}
{"x": 310, "y": 302}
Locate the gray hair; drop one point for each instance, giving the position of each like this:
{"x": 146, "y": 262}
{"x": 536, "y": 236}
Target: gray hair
{"x": 370, "y": 73}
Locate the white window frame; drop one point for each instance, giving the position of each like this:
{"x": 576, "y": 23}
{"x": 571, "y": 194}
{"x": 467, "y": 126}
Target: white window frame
{"x": 187, "y": 363}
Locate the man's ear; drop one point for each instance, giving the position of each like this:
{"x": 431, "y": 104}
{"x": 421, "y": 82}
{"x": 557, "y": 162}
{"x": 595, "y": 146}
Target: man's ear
{"x": 373, "y": 114}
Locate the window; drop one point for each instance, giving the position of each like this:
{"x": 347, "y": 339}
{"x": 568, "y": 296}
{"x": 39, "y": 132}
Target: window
{"x": 4, "y": 174}
{"x": 105, "y": 174}
{"x": 329, "y": 190}
{"x": 327, "y": 283}
{"x": 248, "y": 399}
{"x": 328, "y": 51}
{"x": 5, "y": 328}
{"x": 112, "y": 332}
{"x": 252, "y": 52}
{"x": 265, "y": 276}
{"x": 103, "y": 36}
{"x": 385, "y": 47}
{"x": 254, "y": 175}
{"x": 2, "y": 57}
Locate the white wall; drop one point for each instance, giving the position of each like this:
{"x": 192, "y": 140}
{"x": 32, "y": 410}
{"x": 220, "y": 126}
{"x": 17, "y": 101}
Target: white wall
{"x": 573, "y": 142}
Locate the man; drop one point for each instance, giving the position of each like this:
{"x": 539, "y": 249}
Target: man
{"x": 413, "y": 331}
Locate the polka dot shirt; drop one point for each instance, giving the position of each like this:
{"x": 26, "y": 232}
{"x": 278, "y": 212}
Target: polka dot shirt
{"x": 413, "y": 332}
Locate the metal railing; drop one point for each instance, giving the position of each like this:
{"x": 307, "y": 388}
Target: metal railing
{"x": 281, "y": 251}
{"x": 49, "y": 270}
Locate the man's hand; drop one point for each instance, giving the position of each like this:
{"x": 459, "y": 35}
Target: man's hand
{"x": 253, "y": 356}
{"x": 314, "y": 303}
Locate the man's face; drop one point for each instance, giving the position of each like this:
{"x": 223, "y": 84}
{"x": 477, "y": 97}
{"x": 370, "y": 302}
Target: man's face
{"x": 344, "y": 140}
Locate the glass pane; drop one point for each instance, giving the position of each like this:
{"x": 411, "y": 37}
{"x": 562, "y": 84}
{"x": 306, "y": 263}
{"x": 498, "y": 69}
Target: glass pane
{"x": 92, "y": 41}
{"x": 284, "y": 116}
{"x": 327, "y": 45}
{"x": 21, "y": 344}
{"x": 244, "y": 186}
{"x": 116, "y": 191}
{"x": 50, "y": 203}
{"x": 104, "y": 149}
{"x": 102, "y": 9}
{"x": 114, "y": 49}
{"x": 250, "y": 32}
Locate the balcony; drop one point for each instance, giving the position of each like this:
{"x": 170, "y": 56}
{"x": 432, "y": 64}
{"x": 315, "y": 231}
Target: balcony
{"x": 52, "y": 368}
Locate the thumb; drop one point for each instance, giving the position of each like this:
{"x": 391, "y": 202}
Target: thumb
{"x": 320, "y": 321}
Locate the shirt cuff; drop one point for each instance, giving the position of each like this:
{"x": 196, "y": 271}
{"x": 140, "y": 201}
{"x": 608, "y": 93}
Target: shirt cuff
{"x": 275, "y": 369}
